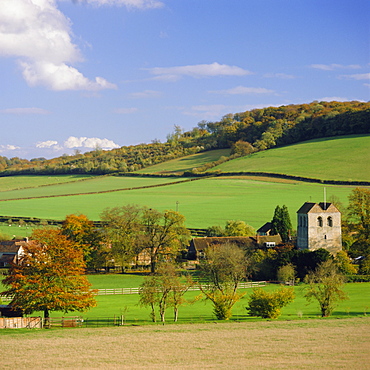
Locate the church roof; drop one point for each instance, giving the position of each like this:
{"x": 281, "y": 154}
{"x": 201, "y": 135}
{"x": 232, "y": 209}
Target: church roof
{"x": 317, "y": 208}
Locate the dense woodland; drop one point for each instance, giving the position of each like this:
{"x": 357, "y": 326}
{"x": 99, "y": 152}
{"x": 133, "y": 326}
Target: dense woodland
{"x": 246, "y": 132}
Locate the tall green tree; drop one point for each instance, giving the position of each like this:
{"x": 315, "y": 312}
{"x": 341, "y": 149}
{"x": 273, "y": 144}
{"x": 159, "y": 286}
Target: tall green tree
{"x": 50, "y": 276}
{"x": 281, "y": 223}
{"x": 359, "y": 221}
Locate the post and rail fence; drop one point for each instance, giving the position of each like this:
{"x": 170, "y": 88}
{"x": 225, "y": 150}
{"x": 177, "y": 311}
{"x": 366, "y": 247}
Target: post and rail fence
{"x": 121, "y": 291}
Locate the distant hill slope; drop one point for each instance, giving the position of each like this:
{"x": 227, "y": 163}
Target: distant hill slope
{"x": 246, "y": 132}
{"x": 344, "y": 158}
{"x": 180, "y": 165}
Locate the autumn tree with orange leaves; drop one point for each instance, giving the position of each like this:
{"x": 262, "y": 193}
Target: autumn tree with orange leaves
{"x": 50, "y": 276}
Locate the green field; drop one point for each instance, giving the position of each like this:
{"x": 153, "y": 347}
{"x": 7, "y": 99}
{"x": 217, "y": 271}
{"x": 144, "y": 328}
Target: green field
{"x": 205, "y": 202}
{"x": 338, "y": 158}
{"x": 21, "y": 182}
{"x": 201, "y": 311}
{"x": 90, "y": 185}
{"x": 187, "y": 163}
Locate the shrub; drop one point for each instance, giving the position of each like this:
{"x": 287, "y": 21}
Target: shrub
{"x": 268, "y": 304}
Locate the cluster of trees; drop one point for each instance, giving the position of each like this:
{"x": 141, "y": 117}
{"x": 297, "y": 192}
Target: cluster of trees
{"x": 130, "y": 235}
{"x": 245, "y": 133}
{"x": 232, "y": 228}
{"x": 220, "y": 274}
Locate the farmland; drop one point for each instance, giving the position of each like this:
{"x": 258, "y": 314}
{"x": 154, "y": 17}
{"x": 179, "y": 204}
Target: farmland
{"x": 204, "y": 202}
{"x": 304, "y": 344}
{"x": 341, "y": 158}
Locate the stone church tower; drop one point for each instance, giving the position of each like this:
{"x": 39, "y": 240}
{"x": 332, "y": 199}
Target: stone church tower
{"x": 319, "y": 226}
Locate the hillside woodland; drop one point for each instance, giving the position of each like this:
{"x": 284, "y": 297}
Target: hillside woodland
{"x": 245, "y": 133}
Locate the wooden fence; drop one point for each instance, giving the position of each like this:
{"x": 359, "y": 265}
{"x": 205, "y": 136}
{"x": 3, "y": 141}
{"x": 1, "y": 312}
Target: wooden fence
{"x": 118, "y": 291}
{"x": 65, "y": 322}
{"x": 20, "y": 322}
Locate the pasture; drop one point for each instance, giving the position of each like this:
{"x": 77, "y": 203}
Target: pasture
{"x": 204, "y": 202}
{"x": 25, "y": 182}
{"x": 358, "y": 304}
{"x": 338, "y": 158}
{"x": 186, "y": 163}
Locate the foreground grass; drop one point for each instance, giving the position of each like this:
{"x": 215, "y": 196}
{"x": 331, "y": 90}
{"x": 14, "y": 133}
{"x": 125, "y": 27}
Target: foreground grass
{"x": 305, "y": 344}
{"x": 337, "y": 158}
{"x": 358, "y": 304}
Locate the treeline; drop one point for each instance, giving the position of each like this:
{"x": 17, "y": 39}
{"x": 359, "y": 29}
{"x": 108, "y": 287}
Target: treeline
{"x": 246, "y": 132}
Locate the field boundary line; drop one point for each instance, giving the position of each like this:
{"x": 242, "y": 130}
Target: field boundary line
{"x": 122, "y": 291}
{"x": 108, "y": 191}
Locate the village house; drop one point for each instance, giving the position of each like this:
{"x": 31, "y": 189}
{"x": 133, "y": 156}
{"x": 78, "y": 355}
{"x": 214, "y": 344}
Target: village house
{"x": 198, "y": 246}
{"x": 11, "y": 251}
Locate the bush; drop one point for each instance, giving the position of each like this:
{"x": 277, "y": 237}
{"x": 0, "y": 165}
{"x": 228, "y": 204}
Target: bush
{"x": 358, "y": 278}
{"x": 268, "y": 304}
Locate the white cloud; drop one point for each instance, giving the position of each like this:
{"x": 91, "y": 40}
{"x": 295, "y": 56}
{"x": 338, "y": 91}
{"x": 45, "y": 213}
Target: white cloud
{"x": 125, "y": 110}
{"x": 85, "y": 142}
{"x": 332, "y": 67}
{"x": 141, "y": 4}
{"x": 145, "y": 94}
{"x": 198, "y": 71}
{"x": 8, "y": 147}
{"x": 241, "y": 90}
{"x": 24, "y": 111}
{"x": 40, "y": 35}
{"x": 61, "y": 77}
{"x": 46, "y": 144}
{"x": 360, "y": 76}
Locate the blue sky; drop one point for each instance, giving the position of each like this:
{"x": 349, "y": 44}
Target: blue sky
{"x": 85, "y": 73}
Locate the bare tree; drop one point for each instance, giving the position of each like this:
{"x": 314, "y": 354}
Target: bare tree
{"x": 325, "y": 286}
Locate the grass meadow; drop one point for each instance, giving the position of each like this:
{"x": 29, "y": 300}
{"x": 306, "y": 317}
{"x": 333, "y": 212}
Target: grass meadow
{"x": 186, "y": 163}
{"x": 338, "y": 158}
{"x": 204, "y": 202}
{"x": 8, "y": 183}
{"x": 358, "y": 303}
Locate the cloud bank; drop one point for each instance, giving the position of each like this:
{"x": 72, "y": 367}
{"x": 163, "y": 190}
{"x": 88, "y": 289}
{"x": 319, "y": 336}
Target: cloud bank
{"x": 332, "y": 67}
{"x": 83, "y": 143}
{"x": 37, "y": 33}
